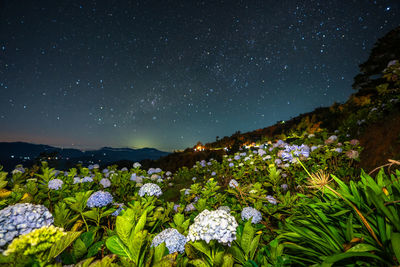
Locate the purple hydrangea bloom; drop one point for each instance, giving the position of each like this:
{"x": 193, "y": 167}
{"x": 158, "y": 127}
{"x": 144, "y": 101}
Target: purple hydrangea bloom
{"x": 339, "y": 150}
{"x": 291, "y": 153}
{"x": 213, "y": 173}
{"x": 105, "y": 182}
{"x": 231, "y": 164}
{"x": 55, "y": 184}
{"x": 99, "y": 199}
{"x": 278, "y": 161}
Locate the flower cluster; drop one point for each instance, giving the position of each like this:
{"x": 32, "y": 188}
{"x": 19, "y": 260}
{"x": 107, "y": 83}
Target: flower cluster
{"x": 21, "y": 219}
{"x": 35, "y": 242}
{"x": 55, "y": 184}
{"x": 213, "y": 225}
{"x": 153, "y": 171}
{"x": 174, "y": 241}
{"x": 99, "y": 199}
{"x": 291, "y": 153}
{"x": 150, "y": 190}
{"x": 137, "y": 165}
{"x": 119, "y": 209}
{"x": 249, "y": 212}
{"x": 272, "y": 200}
{"x": 87, "y": 179}
{"x": 105, "y": 182}
{"x": 233, "y": 183}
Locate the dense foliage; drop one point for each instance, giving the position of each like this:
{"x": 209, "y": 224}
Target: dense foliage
{"x": 295, "y": 201}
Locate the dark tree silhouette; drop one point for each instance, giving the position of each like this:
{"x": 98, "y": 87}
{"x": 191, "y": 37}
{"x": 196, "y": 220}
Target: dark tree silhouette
{"x": 385, "y": 49}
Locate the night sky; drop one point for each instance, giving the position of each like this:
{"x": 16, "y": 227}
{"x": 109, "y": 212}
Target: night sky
{"x": 167, "y": 74}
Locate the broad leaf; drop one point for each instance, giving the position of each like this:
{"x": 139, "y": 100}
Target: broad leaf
{"x": 116, "y": 246}
{"x": 62, "y": 244}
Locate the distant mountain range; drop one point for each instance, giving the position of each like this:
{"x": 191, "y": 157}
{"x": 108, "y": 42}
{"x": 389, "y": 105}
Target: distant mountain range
{"x": 14, "y": 153}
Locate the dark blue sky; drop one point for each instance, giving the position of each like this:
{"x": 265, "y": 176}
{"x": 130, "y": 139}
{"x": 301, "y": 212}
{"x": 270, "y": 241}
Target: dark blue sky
{"x": 167, "y": 74}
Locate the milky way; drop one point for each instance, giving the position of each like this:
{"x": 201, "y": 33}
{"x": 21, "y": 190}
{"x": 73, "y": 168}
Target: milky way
{"x": 167, "y": 74}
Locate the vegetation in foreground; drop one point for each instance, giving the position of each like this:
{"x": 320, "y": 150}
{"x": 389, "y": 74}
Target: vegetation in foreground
{"x": 296, "y": 201}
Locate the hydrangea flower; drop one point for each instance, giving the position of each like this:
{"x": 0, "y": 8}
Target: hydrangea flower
{"x": 272, "y": 200}
{"x": 291, "y": 153}
{"x": 55, "y": 184}
{"x": 225, "y": 208}
{"x": 105, "y": 170}
{"x": 168, "y": 173}
{"x": 261, "y": 152}
{"x": 352, "y": 154}
{"x": 150, "y": 190}
{"x": 21, "y": 219}
{"x": 77, "y": 180}
{"x": 213, "y": 225}
{"x": 354, "y": 142}
{"x": 339, "y": 150}
{"x": 99, "y": 199}
{"x": 187, "y": 192}
{"x": 35, "y": 242}
{"x": 105, "y": 182}
{"x": 231, "y": 164}
{"x": 96, "y": 166}
{"x": 174, "y": 241}
{"x": 331, "y": 139}
{"x": 249, "y": 212}
{"x": 233, "y": 183}
{"x": 87, "y": 179}
{"x": 18, "y": 169}
{"x": 124, "y": 169}
{"x": 194, "y": 179}
{"x": 213, "y": 173}
{"x": 278, "y": 161}
{"x": 119, "y": 209}
{"x": 137, "y": 165}
{"x": 237, "y": 157}
{"x": 190, "y": 207}
{"x": 176, "y": 206}
{"x": 284, "y": 187}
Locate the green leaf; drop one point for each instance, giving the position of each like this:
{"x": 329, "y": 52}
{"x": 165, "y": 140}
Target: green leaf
{"x": 141, "y": 223}
{"x": 94, "y": 249}
{"x": 159, "y": 252}
{"x": 396, "y": 245}
{"x": 237, "y": 253}
{"x": 202, "y": 247}
{"x": 62, "y": 244}
{"x": 179, "y": 219}
{"x": 79, "y": 248}
{"x": 87, "y": 238}
{"x": 247, "y": 237}
{"x": 253, "y": 246}
{"x": 135, "y": 245}
{"x": 362, "y": 247}
{"x": 198, "y": 263}
{"x": 91, "y": 214}
{"x": 123, "y": 228}
{"x": 227, "y": 261}
{"x": 329, "y": 261}
{"x": 116, "y": 246}
{"x": 349, "y": 228}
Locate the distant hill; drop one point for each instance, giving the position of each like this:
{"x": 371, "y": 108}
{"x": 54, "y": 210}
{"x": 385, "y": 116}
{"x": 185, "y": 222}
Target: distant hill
{"x": 13, "y": 153}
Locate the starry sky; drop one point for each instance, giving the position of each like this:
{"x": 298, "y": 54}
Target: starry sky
{"x": 166, "y": 74}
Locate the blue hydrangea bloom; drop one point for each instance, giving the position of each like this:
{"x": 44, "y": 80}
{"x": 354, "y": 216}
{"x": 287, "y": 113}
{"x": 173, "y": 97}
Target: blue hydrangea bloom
{"x": 55, "y": 184}
{"x": 339, "y": 150}
{"x": 105, "y": 182}
{"x": 99, "y": 199}
{"x": 87, "y": 179}
{"x": 119, "y": 209}
{"x": 174, "y": 241}
{"x": 77, "y": 180}
{"x": 150, "y": 190}
{"x": 291, "y": 153}
{"x": 21, "y": 219}
{"x": 231, "y": 164}
{"x": 284, "y": 187}
{"x": 249, "y": 212}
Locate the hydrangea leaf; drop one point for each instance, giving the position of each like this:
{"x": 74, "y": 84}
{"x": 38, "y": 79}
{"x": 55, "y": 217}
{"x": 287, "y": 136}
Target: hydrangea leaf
{"x": 202, "y": 247}
{"x": 141, "y": 223}
{"x": 94, "y": 249}
{"x": 123, "y": 229}
{"x": 79, "y": 248}
{"x": 62, "y": 244}
{"x": 247, "y": 237}
{"x": 116, "y": 246}
{"x": 159, "y": 252}
{"x": 136, "y": 243}
{"x": 198, "y": 263}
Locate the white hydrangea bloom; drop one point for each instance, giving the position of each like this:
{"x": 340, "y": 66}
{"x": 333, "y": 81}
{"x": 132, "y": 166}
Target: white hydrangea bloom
{"x": 150, "y": 190}
{"x": 213, "y": 225}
